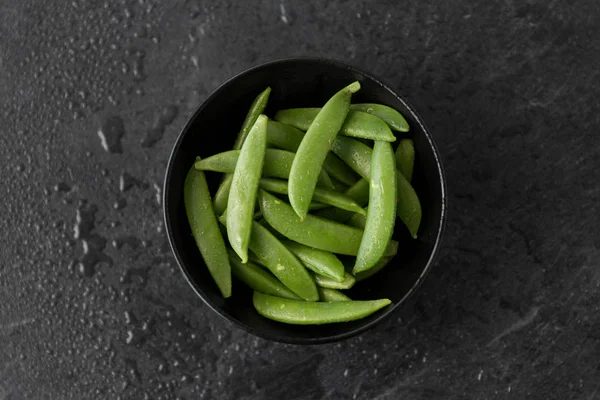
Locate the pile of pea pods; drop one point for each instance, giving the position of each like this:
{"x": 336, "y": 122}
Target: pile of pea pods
{"x": 299, "y": 192}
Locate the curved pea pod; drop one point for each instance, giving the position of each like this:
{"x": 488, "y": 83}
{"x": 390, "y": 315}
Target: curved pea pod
{"x": 357, "y": 123}
{"x": 314, "y": 148}
{"x": 326, "y": 294}
{"x": 354, "y": 153}
{"x": 277, "y": 164}
{"x": 256, "y": 108}
{"x": 324, "y": 281}
{"x": 323, "y": 196}
{"x": 257, "y": 278}
{"x": 359, "y": 192}
{"x": 289, "y": 138}
{"x": 222, "y": 195}
{"x": 312, "y": 231}
{"x": 320, "y": 261}
{"x": 391, "y": 117}
{"x": 205, "y": 229}
{"x": 361, "y": 276}
{"x": 405, "y": 158}
{"x": 357, "y": 220}
{"x": 301, "y": 313}
{"x": 242, "y": 195}
{"x": 381, "y": 213}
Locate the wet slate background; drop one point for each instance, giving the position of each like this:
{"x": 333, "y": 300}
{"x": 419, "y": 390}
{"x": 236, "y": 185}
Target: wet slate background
{"x": 93, "y": 94}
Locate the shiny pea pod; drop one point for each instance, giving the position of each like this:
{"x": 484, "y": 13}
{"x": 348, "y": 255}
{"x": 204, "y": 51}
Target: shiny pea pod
{"x": 393, "y": 118}
{"x": 205, "y": 229}
{"x": 314, "y": 148}
{"x": 242, "y": 195}
{"x": 326, "y": 294}
{"x": 312, "y": 231}
{"x": 381, "y": 216}
{"x": 357, "y": 123}
{"x": 319, "y": 261}
{"x": 323, "y": 196}
{"x": 258, "y": 279}
{"x": 277, "y": 164}
{"x": 281, "y": 262}
{"x": 361, "y": 276}
{"x": 405, "y": 158}
{"x": 359, "y": 192}
{"x": 222, "y": 195}
{"x": 357, "y": 155}
{"x": 289, "y": 138}
{"x": 301, "y": 313}
{"x": 324, "y": 281}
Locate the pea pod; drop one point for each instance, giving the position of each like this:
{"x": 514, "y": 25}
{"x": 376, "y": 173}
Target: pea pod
{"x": 280, "y": 261}
{"x": 277, "y": 164}
{"x": 314, "y": 148}
{"x": 320, "y": 261}
{"x": 205, "y": 229}
{"x": 357, "y": 123}
{"x": 405, "y": 158}
{"x": 324, "y": 281}
{"x": 257, "y": 278}
{"x": 312, "y": 231}
{"x": 381, "y": 216}
{"x": 222, "y": 195}
{"x": 392, "y": 117}
{"x": 359, "y": 192}
{"x": 358, "y": 156}
{"x": 357, "y": 220}
{"x": 361, "y": 276}
{"x": 242, "y": 195}
{"x": 301, "y": 313}
{"x": 323, "y": 196}
{"x": 326, "y": 294}
{"x": 289, "y": 138}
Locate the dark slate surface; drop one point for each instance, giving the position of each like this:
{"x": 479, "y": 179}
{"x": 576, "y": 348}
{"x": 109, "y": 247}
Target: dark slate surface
{"x": 93, "y": 94}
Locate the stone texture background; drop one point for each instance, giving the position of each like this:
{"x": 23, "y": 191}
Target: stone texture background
{"x": 93, "y": 94}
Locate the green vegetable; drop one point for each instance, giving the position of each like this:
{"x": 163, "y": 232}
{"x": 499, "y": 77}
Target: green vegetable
{"x": 326, "y": 282}
{"x": 405, "y": 158}
{"x": 320, "y": 261}
{"x": 359, "y": 192}
{"x": 392, "y": 117}
{"x": 326, "y": 294}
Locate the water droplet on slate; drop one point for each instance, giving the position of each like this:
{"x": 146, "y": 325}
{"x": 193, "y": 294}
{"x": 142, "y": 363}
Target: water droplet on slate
{"x": 111, "y": 132}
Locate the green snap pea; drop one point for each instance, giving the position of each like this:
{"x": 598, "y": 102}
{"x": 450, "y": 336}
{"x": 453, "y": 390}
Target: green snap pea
{"x": 222, "y": 195}
{"x": 320, "y": 261}
{"x": 324, "y": 281}
{"x": 357, "y": 123}
{"x": 289, "y": 138}
{"x": 314, "y": 148}
{"x": 358, "y": 157}
{"x": 277, "y": 164}
{"x": 312, "y": 231}
{"x": 359, "y": 192}
{"x": 326, "y": 294}
{"x": 302, "y": 313}
{"x": 357, "y": 220}
{"x": 281, "y": 262}
{"x": 258, "y": 279}
{"x": 242, "y": 196}
{"x": 361, "y": 276}
{"x": 392, "y": 117}
{"x": 205, "y": 229}
{"x": 381, "y": 213}
{"x": 405, "y": 158}
{"x": 323, "y": 196}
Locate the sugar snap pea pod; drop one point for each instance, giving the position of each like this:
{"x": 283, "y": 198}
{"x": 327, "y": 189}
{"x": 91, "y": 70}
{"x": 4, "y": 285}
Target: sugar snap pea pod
{"x": 357, "y": 220}
{"x": 312, "y": 231}
{"x": 357, "y": 123}
{"x": 324, "y": 281}
{"x": 256, "y": 108}
{"x": 278, "y": 164}
{"x": 289, "y": 138}
{"x": 326, "y": 294}
{"x": 222, "y": 195}
{"x": 257, "y": 278}
{"x": 381, "y": 213}
{"x": 405, "y": 158}
{"x": 359, "y": 192}
{"x": 205, "y": 229}
{"x": 242, "y": 196}
{"x": 281, "y": 262}
{"x": 301, "y": 313}
{"x": 320, "y": 261}
{"x": 314, "y": 148}
{"x": 323, "y": 196}
{"x": 361, "y": 276}
{"x": 354, "y": 153}
{"x": 392, "y": 117}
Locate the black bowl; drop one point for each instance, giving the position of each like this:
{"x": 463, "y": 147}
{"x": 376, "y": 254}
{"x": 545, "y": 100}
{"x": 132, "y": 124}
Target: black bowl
{"x": 302, "y": 82}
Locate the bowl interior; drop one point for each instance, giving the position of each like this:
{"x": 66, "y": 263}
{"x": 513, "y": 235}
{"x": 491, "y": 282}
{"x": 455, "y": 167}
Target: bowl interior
{"x": 300, "y": 83}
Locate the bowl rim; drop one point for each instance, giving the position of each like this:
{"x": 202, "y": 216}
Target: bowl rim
{"x": 387, "y": 311}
